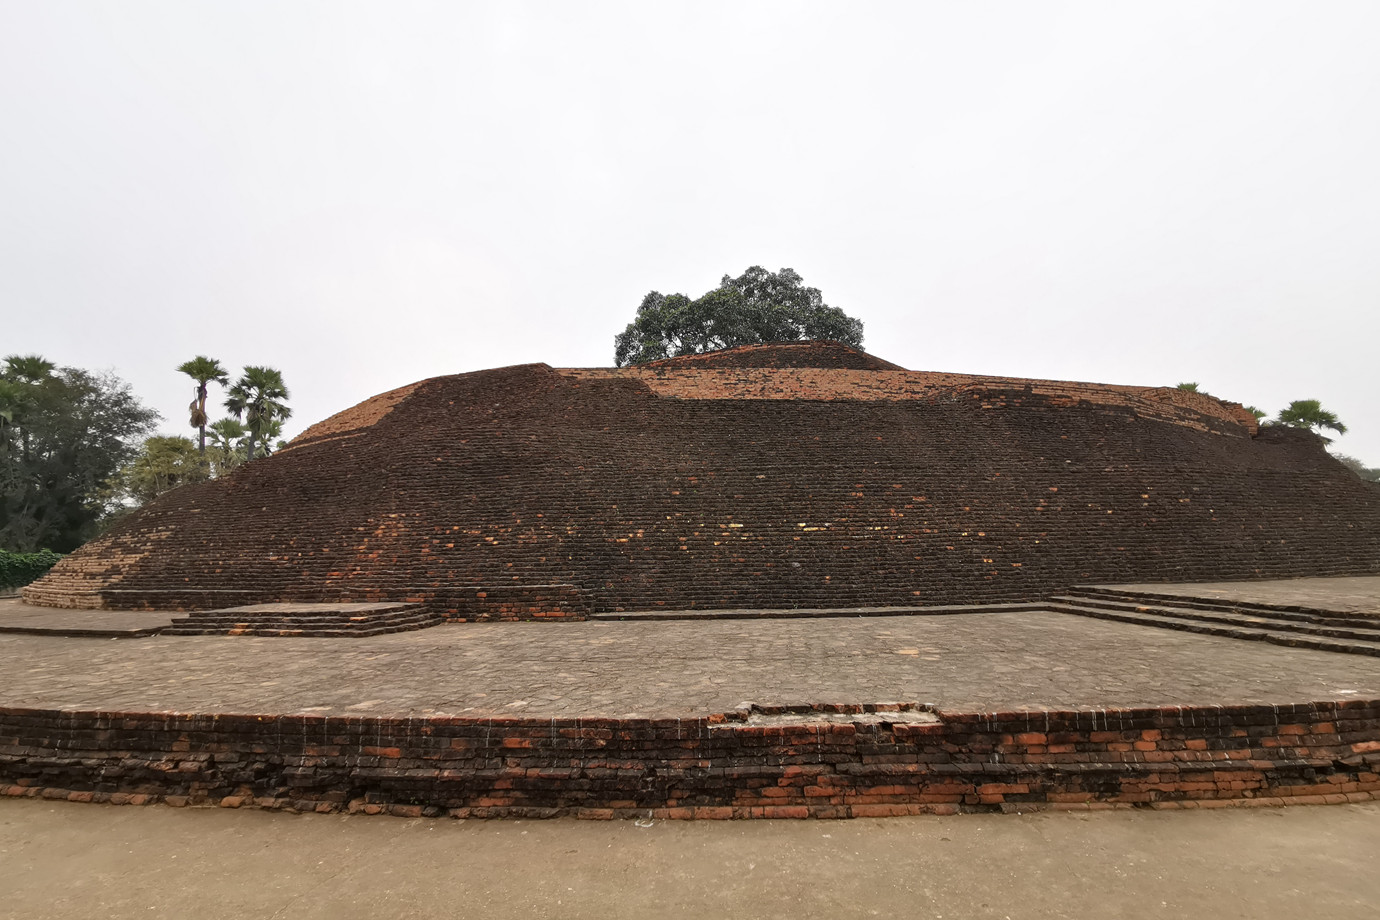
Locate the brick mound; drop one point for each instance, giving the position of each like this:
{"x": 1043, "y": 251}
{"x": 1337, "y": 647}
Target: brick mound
{"x": 807, "y": 476}
{"x": 314, "y": 620}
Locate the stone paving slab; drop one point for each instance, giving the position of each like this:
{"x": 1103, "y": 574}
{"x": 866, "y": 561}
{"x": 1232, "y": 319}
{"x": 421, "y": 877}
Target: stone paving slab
{"x": 19, "y": 617}
{"x": 782, "y": 613}
{"x": 989, "y": 661}
{"x": 1347, "y": 595}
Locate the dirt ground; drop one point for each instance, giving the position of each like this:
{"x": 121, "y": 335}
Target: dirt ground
{"x": 78, "y": 861}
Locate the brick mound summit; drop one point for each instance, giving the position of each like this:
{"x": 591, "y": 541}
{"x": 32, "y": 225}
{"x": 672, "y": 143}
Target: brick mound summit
{"x": 799, "y": 475}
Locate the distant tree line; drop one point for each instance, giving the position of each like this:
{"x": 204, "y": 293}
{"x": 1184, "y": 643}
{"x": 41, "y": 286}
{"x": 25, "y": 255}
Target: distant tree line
{"x": 63, "y": 433}
{"x": 77, "y": 449}
{"x": 257, "y": 408}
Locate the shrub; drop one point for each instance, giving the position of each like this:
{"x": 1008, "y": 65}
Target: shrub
{"x": 18, "y": 569}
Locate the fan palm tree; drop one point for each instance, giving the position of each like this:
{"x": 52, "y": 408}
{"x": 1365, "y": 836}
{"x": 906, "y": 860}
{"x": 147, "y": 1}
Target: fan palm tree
{"x": 227, "y": 444}
{"x": 270, "y": 439}
{"x": 11, "y": 400}
{"x": 257, "y": 398}
{"x": 1309, "y": 413}
{"x": 29, "y": 368}
{"x": 203, "y": 370}
{"x": 22, "y": 376}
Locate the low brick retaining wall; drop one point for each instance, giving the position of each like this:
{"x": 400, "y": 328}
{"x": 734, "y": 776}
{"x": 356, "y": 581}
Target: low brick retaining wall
{"x": 818, "y": 762}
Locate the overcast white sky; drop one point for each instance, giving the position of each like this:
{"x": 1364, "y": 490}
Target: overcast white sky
{"x": 366, "y": 194}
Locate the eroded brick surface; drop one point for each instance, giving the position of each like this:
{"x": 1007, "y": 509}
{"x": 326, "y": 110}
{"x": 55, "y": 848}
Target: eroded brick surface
{"x": 715, "y": 767}
{"x": 706, "y": 484}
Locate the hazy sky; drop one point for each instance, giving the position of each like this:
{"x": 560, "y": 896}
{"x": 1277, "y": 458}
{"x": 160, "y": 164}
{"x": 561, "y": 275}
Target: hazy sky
{"x": 366, "y": 194}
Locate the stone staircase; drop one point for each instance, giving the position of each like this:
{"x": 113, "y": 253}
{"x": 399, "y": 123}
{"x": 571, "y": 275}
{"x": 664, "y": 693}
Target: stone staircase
{"x": 1298, "y": 627}
{"x": 354, "y": 620}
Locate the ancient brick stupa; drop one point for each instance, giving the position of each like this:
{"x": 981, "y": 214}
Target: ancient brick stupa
{"x": 801, "y": 475}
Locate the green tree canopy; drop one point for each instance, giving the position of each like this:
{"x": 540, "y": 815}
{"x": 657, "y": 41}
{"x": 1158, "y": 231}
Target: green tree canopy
{"x": 63, "y": 433}
{"x": 258, "y": 398}
{"x": 163, "y": 463}
{"x": 1309, "y": 413}
{"x": 1368, "y": 473}
{"x": 757, "y": 307}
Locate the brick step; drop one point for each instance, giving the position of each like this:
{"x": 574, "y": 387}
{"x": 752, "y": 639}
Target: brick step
{"x": 203, "y": 628}
{"x": 1283, "y": 611}
{"x": 317, "y": 620}
{"x": 1293, "y": 640}
{"x": 291, "y": 620}
{"x": 1232, "y": 618}
{"x": 288, "y": 632}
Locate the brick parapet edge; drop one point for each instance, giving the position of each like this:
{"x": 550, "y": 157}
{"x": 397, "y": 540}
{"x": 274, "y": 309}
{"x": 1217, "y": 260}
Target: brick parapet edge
{"x": 720, "y": 766}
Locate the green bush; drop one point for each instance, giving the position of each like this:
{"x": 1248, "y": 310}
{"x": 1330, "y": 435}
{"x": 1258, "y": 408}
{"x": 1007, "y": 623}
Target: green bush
{"x": 18, "y": 569}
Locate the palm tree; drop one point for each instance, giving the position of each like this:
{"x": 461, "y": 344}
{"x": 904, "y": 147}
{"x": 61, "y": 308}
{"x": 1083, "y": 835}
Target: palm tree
{"x": 1309, "y": 413}
{"x": 203, "y": 370}
{"x": 29, "y": 368}
{"x": 227, "y": 444}
{"x": 22, "y": 376}
{"x": 11, "y": 401}
{"x": 1258, "y": 413}
{"x": 271, "y": 439}
{"x": 257, "y": 398}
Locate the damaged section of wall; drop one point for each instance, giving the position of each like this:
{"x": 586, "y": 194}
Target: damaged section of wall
{"x": 808, "y": 761}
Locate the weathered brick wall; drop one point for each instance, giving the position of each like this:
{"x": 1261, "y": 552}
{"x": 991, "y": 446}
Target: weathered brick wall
{"x": 529, "y": 476}
{"x": 718, "y": 766}
{"x": 819, "y": 353}
{"x": 1167, "y": 404}
{"x": 506, "y": 602}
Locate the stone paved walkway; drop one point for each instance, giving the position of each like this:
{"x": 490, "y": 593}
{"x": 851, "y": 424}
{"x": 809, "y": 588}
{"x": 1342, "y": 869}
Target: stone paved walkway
{"x": 986, "y": 661}
{"x": 64, "y": 861}
{"x": 17, "y": 616}
{"x": 1351, "y": 595}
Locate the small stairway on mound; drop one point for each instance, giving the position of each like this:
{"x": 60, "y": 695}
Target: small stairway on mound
{"x": 1297, "y": 627}
{"x": 346, "y": 620}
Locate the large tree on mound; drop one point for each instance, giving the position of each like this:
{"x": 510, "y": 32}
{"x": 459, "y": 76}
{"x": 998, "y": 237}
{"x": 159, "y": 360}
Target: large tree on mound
{"x": 755, "y": 308}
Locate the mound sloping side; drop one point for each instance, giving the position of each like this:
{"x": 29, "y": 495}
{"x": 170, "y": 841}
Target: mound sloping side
{"x": 531, "y": 476}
